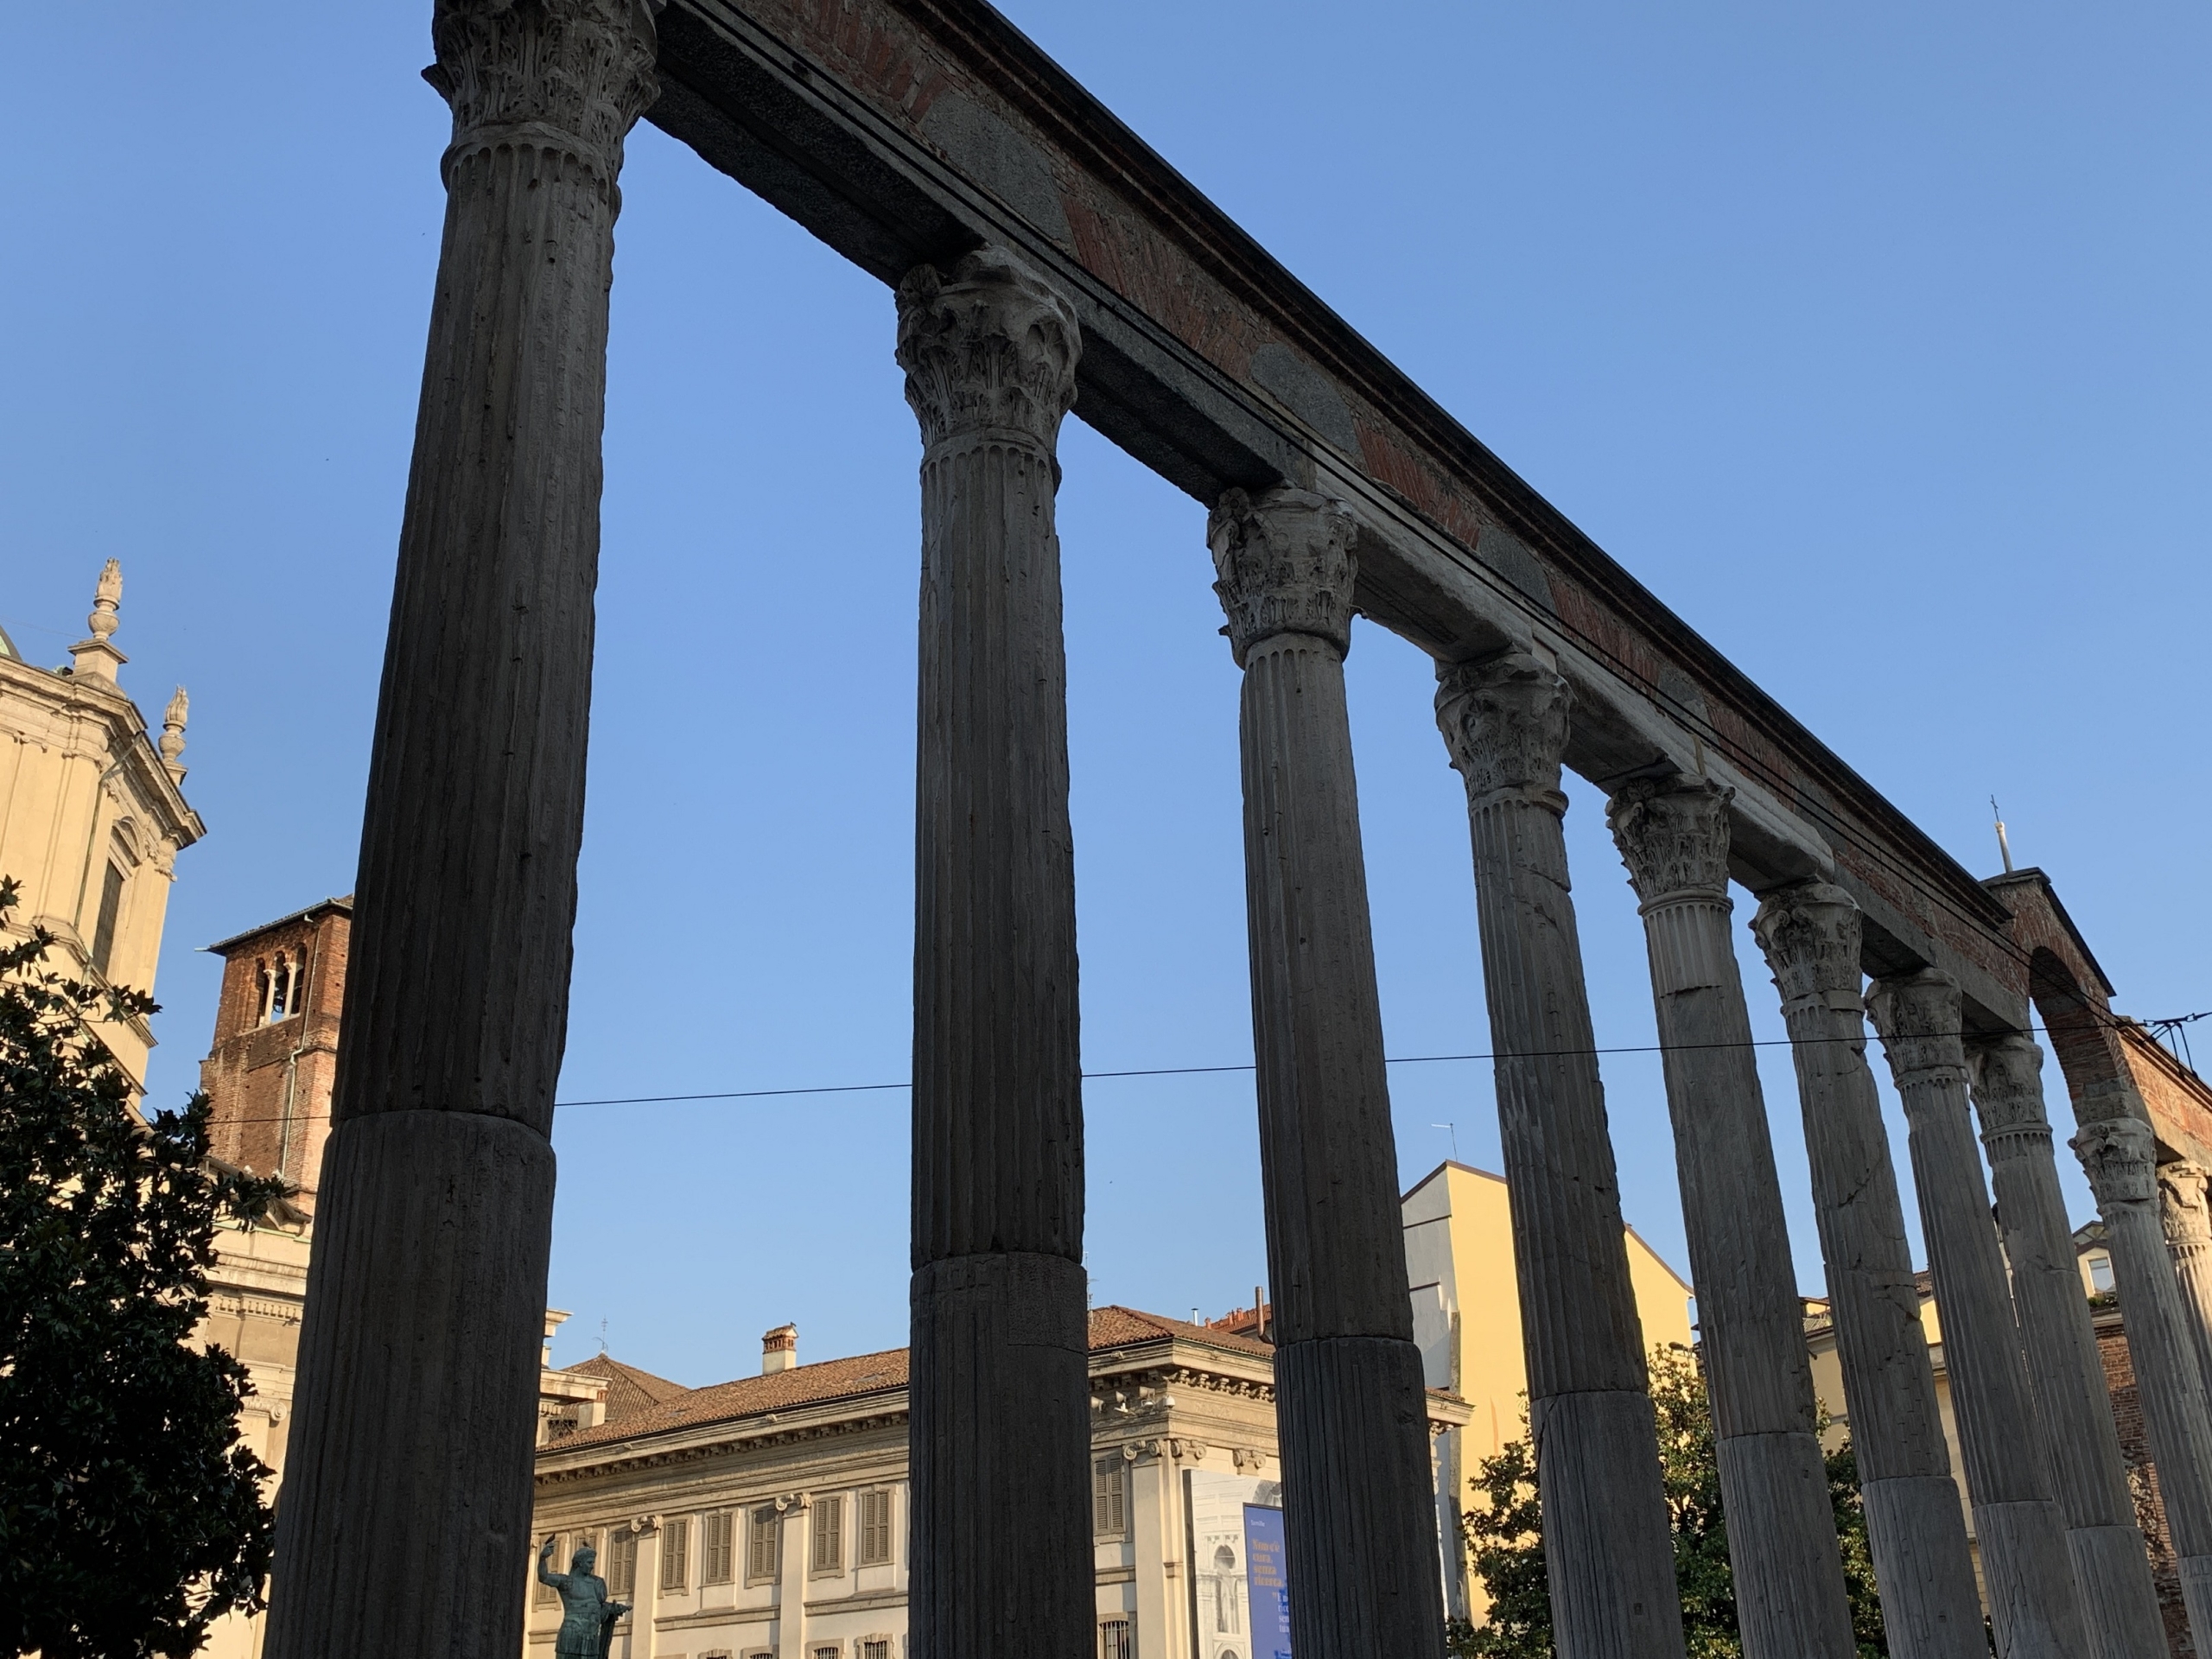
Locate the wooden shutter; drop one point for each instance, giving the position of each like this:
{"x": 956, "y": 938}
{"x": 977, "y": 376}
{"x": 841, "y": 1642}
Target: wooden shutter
{"x": 1109, "y": 1497}
{"x": 675, "y": 1555}
{"x": 715, "y": 1550}
{"x": 875, "y": 1528}
{"x": 829, "y": 1534}
{"x": 547, "y": 1595}
{"x": 622, "y": 1563}
{"x": 760, "y": 1563}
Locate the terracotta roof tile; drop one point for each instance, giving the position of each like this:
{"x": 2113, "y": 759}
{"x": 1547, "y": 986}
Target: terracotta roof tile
{"x": 641, "y": 1403}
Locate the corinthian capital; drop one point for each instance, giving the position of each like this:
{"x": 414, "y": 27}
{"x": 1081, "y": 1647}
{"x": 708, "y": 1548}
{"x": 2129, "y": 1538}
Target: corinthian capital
{"x": 573, "y": 75}
{"x": 1810, "y": 934}
{"x": 2182, "y": 1208}
{"x": 2008, "y": 1085}
{"x": 1505, "y": 722}
{"x": 2120, "y": 1157}
{"x": 989, "y": 351}
{"x": 1673, "y": 834}
{"x": 1286, "y": 566}
{"x": 1918, "y": 1015}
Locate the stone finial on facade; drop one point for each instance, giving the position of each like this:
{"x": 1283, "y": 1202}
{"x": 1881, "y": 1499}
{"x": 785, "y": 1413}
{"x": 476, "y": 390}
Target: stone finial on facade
{"x": 95, "y": 656}
{"x": 1673, "y": 836}
{"x": 1919, "y": 1016}
{"x": 172, "y": 743}
{"x": 2120, "y": 1157}
{"x": 570, "y": 77}
{"x": 1505, "y": 722}
{"x": 2183, "y": 1206}
{"x": 989, "y": 351}
{"x": 1810, "y": 932}
{"x": 1285, "y": 565}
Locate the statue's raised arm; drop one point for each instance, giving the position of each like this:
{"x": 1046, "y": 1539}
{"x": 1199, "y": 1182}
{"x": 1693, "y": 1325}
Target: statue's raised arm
{"x": 544, "y": 1556}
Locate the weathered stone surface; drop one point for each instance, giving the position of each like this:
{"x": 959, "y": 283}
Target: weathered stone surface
{"x": 1914, "y": 1527}
{"x": 2120, "y": 1156}
{"x": 1607, "y": 1549}
{"x": 1673, "y": 835}
{"x": 2120, "y": 1608}
{"x": 2031, "y": 1601}
{"x": 1001, "y": 1425}
{"x": 1358, "y": 1510}
{"x": 2188, "y": 1221}
{"x": 427, "y": 1303}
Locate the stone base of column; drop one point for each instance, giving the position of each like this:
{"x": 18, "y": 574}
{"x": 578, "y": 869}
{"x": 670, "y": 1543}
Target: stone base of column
{"x": 1601, "y": 1488}
{"x": 1001, "y": 1458}
{"x": 1790, "y": 1600}
{"x": 2117, "y": 1602}
{"x": 425, "y": 1317}
{"x": 2195, "y": 1572}
{"x": 1360, "y": 1522}
{"x": 1917, "y": 1535}
{"x": 2022, "y": 1551}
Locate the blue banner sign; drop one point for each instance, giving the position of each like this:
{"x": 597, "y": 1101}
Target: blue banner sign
{"x": 1268, "y": 1582}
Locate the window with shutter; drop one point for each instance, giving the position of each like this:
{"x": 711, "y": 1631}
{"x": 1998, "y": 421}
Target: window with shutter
{"x": 716, "y": 1556}
{"x": 1110, "y": 1497}
{"x": 1114, "y": 1641}
{"x": 111, "y": 911}
{"x": 828, "y": 1535}
{"x": 676, "y": 1555}
{"x": 875, "y": 1528}
{"x": 876, "y": 1648}
{"x": 765, "y": 1533}
{"x": 622, "y": 1564}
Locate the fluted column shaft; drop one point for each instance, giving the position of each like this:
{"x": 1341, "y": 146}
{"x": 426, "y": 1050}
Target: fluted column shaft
{"x": 1790, "y": 1600}
{"x": 1607, "y": 1549}
{"x": 2120, "y": 1608}
{"x": 2024, "y": 1564}
{"x": 405, "y": 1520}
{"x": 1000, "y": 1431}
{"x": 2182, "y": 1209}
{"x": 2119, "y": 1155}
{"x": 1914, "y": 1527}
{"x": 1359, "y": 1507}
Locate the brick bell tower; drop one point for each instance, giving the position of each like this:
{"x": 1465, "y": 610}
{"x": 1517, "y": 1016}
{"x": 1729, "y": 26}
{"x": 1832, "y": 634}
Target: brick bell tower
{"x": 275, "y": 1048}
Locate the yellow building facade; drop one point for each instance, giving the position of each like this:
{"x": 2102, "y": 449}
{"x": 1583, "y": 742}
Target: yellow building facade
{"x": 92, "y": 814}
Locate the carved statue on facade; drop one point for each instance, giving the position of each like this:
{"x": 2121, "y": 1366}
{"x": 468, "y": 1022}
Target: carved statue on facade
{"x": 586, "y": 1616}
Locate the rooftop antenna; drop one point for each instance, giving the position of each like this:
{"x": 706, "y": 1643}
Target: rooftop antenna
{"x": 1453, "y": 1130}
{"x": 602, "y": 1334}
{"x": 2004, "y": 847}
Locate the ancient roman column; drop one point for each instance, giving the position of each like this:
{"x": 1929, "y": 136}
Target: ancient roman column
{"x": 1791, "y": 1601}
{"x": 2119, "y": 1155}
{"x": 2024, "y": 1566}
{"x": 1914, "y": 1527}
{"x": 1001, "y": 1427}
{"x": 2120, "y": 1608}
{"x": 405, "y": 1517}
{"x": 2189, "y": 1241}
{"x": 1359, "y": 1508}
{"x": 1607, "y": 1549}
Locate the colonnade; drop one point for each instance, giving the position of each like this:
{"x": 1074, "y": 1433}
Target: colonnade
{"x": 405, "y": 1518}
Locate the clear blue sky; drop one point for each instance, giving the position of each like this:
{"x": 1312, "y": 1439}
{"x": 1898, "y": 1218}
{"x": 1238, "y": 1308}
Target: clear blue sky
{"x": 1873, "y": 338}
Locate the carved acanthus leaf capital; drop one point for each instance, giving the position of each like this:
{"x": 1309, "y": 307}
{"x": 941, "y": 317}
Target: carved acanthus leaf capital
{"x": 1919, "y": 1017}
{"x": 1285, "y": 565}
{"x": 2008, "y": 1084}
{"x": 2120, "y": 1157}
{"x": 988, "y": 351}
{"x": 2183, "y": 1207}
{"x": 1505, "y": 722}
{"x": 568, "y": 75}
{"x": 1673, "y": 836}
{"x": 1810, "y": 934}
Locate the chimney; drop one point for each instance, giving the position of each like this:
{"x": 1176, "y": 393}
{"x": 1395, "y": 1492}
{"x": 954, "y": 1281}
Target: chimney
{"x": 779, "y": 1350}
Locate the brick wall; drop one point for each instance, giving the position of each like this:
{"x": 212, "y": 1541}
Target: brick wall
{"x": 2143, "y": 1477}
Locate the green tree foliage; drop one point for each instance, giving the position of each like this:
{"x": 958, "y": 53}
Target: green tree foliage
{"x": 1503, "y": 1532}
{"x": 130, "y": 1517}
